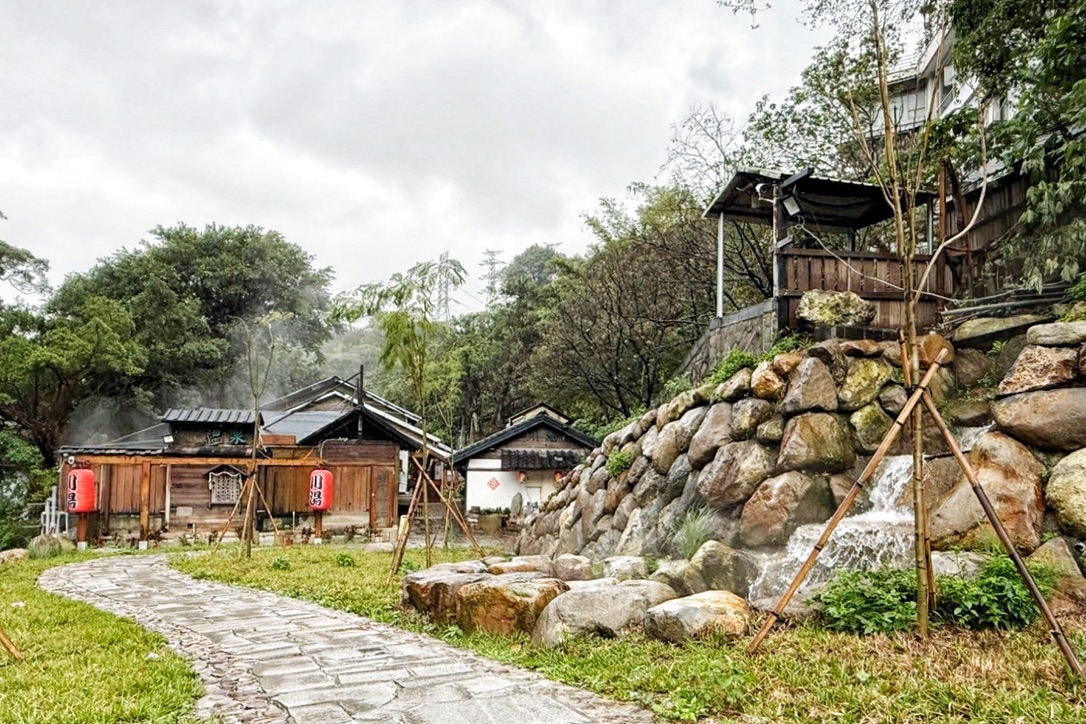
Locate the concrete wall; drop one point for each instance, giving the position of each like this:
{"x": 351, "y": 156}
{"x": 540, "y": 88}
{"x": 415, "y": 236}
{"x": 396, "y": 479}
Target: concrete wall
{"x": 753, "y": 329}
{"x": 537, "y": 487}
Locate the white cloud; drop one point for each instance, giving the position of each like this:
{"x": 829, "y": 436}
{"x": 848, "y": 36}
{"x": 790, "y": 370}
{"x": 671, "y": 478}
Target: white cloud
{"x": 373, "y": 134}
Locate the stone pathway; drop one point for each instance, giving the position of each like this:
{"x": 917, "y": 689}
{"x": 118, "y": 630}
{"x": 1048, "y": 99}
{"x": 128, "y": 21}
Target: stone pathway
{"x": 268, "y": 658}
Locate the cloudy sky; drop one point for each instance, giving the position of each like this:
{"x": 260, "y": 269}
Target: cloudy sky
{"x": 374, "y": 134}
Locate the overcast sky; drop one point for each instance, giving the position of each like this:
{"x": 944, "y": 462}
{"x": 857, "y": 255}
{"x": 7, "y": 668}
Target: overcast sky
{"x": 373, "y": 134}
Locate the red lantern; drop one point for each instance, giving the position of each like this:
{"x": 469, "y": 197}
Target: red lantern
{"x": 79, "y": 492}
{"x": 321, "y": 482}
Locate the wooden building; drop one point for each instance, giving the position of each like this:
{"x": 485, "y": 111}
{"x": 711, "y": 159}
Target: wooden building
{"x": 528, "y": 457}
{"x": 826, "y": 236}
{"x": 185, "y": 473}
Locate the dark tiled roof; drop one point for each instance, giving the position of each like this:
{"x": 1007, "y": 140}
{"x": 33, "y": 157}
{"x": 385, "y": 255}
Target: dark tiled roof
{"x": 208, "y": 415}
{"x": 514, "y": 459}
{"x": 509, "y": 433}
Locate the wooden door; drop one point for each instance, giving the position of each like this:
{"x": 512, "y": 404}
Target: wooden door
{"x": 383, "y": 492}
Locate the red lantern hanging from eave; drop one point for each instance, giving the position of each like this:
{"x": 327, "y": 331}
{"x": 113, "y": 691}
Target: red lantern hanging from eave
{"x": 79, "y": 491}
{"x": 321, "y": 482}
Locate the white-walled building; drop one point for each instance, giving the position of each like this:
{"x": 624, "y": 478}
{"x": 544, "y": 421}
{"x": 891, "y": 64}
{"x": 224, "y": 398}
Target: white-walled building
{"x": 528, "y": 457}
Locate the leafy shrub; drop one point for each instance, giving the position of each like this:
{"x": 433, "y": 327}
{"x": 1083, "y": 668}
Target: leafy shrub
{"x": 867, "y": 602}
{"x": 345, "y": 560}
{"x": 619, "y": 461}
{"x": 884, "y": 601}
{"x": 282, "y": 563}
{"x": 997, "y": 598}
{"x": 1077, "y": 293}
{"x": 785, "y": 344}
{"x": 600, "y": 430}
{"x": 676, "y": 386}
{"x": 696, "y": 528}
{"x": 734, "y": 361}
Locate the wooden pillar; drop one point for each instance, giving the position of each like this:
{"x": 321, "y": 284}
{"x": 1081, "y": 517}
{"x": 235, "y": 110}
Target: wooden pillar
{"x": 318, "y": 526}
{"x": 81, "y": 529}
{"x": 145, "y": 500}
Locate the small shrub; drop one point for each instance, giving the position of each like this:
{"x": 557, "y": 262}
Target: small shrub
{"x": 282, "y": 563}
{"x": 619, "y": 461}
{"x": 785, "y": 344}
{"x": 48, "y": 546}
{"x": 1077, "y": 293}
{"x": 997, "y": 348}
{"x": 696, "y": 528}
{"x": 345, "y": 560}
{"x": 734, "y": 361}
{"x": 997, "y": 598}
{"x": 676, "y": 386}
{"x": 867, "y": 602}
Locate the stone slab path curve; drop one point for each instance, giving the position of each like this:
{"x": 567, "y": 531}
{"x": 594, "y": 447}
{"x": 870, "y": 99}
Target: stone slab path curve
{"x": 268, "y": 658}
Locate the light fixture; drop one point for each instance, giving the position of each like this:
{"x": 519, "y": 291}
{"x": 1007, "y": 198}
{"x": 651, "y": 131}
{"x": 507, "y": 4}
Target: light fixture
{"x": 791, "y": 205}
{"x": 168, "y": 439}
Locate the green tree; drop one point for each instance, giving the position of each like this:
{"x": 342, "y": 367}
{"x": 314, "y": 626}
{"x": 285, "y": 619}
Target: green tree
{"x": 23, "y": 480}
{"x": 1036, "y": 52}
{"x": 625, "y": 316}
{"x": 48, "y": 363}
{"x": 187, "y": 288}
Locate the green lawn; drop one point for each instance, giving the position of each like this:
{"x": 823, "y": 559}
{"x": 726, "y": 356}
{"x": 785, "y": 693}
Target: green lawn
{"x": 800, "y": 674}
{"x": 81, "y": 664}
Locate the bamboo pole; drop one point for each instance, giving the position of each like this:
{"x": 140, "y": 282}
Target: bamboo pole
{"x": 10, "y": 646}
{"x": 850, "y": 498}
{"x": 925, "y": 575}
{"x": 401, "y": 544}
{"x": 455, "y": 512}
{"x": 1004, "y": 538}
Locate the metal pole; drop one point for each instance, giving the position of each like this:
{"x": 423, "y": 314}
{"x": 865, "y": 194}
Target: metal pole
{"x": 1005, "y": 539}
{"x": 720, "y": 266}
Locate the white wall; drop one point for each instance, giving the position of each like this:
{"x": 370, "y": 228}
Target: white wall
{"x": 538, "y": 485}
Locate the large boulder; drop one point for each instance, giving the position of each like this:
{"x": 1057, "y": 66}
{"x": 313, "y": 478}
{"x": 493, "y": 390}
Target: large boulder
{"x": 715, "y": 431}
{"x": 1066, "y": 493}
{"x": 810, "y": 387}
{"x": 981, "y": 332}
{"x": 1011, "y": 476}
{"x": 502, "y": 606}
{"x": 632, "y": 541}
{"x": 523, "y": 564}
{"x": 434, "y": 592}
{"x": 747, "y": 415}
{"x": 570, "y": 567}
{"x": 765, "y": 383}
{"x": 675, "y": 438}
{"x": 1057, "y": 555}
{"x": 864, "y": 381}
{"x": 13, "y": 554}
{"x": 719, "y": 567}
{"x": 1038, "y": 368}
{"x": 624, "y": 568}
{"x": 734, "y": 473}
{"x": 735, "y": 388}
{"x": 815, "y": 442}
{"x": 1058, "y": 334}
{"x": 1049, "y": 419}
{"x": 971, "y": 366}
{"x": 869, "y": 426}
{"x": 929, "y": 346}
{"x": 782, "y": 504}
{"x": 830, "y": 309}
{"x": 600, "y": 609}
{"x": 671, "y": 573}
{"x": 702, "y": 614}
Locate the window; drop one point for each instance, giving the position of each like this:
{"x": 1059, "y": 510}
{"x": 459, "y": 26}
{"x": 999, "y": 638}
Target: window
{"x": 225, "y": 486}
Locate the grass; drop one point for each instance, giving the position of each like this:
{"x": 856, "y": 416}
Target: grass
{"x": 82, "y": 664}
{"x": 801, "y": 673}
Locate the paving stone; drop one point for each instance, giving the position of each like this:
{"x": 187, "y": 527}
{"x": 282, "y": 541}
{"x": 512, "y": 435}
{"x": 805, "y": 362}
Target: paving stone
{"x": 268, "y": 659}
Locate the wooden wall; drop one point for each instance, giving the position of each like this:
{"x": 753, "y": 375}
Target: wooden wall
{"x": 365, "y": 474}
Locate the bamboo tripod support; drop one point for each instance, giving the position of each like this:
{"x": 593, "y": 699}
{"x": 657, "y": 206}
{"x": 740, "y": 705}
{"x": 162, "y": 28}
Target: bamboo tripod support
{"x": 250, "y": 479}
{"x": 921, "y": 394}
{"x": 9, "y": 646}
{"x": 450, "y": 509}
{"x": 1005, "y": 539}
{"x": 850, "y": 498}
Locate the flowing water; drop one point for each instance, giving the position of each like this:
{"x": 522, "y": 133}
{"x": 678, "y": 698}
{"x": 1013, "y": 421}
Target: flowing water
{"x": 881, "y": 537}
